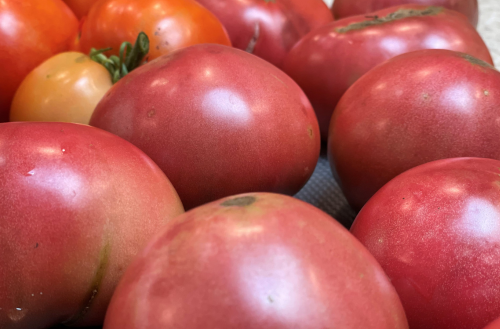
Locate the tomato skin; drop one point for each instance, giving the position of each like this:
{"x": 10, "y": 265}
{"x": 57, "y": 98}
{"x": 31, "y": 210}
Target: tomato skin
{"x": 73, "y": 199}
{"x": 435, "y": 231}
{"x": 345, "y": 8}
{"x": 66, "y": 87}
{"x": 218, "y": 121}
{"x": 169, "y": 24}
{"x": 494, "y": 325}
{"x": 328, "y": 61}
{"x": 281, "y": 23}
{"x": 415, "y": 108}
{"x": 255, "y": 261}
{"x": 80, "y": 7}
{"x": 32, "y": 31}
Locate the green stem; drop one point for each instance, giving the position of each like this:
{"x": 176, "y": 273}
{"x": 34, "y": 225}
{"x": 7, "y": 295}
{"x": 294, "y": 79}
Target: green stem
{"x": 130, "y": 57}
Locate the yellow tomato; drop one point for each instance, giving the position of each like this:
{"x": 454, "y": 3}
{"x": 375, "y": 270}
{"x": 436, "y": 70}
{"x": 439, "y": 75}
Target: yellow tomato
{"x": 66, "y": 87}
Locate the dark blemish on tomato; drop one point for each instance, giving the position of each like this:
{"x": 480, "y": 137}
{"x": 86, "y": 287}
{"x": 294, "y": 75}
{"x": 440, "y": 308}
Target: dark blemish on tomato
{"x": 158, "y": 47}
{"x": 310, "y": 132}
{"x": 151, "y": 113}
{"x": 166, "y": 43}
{"x": 395, "y": 16}
{"x": 239, "y": 201}
{"x": 475, "y": 61}
{"x": 94, "y": 287}
{"x": 36, "y": 245}
{"x": 81, "y": 59}
{"x": 48, "y": 76}
{"x": 270, "y": 299}
{"x": 157, "y": 33}
{"x": 253, "y": 41}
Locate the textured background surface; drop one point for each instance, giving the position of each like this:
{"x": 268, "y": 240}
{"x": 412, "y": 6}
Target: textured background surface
{"x": 322, "y": 190}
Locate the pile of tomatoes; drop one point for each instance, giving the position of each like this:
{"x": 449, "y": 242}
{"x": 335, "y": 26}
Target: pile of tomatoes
{"x": 150, "y": 149}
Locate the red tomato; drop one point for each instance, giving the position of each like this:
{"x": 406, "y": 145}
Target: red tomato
{"x": 255, "y": 261}
{"x": 76, "y": 205}
{"x": 415, "y": 108}
{"x": 218, "y": 121}
{"x": 30, "y": 32}
{"x": 435, "y": 230}
{"x": 80, "y": 7}
{"x": 344, "y": 8}
{"x": 494, "y": 325}
{"x": 169, "y": 24}
{"x": 269, "y": 29}
{"x": 329, "y": 60}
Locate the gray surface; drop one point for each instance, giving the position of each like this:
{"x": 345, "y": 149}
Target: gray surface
{"x": 322, "y": 190}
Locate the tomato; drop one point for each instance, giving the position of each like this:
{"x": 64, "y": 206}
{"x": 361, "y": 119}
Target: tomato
{"x": 76, "y": 205}
{"x": 80, "y": 7}
{"x": 435, "y": 230}
{"x": 30, "y": 33}
{"x": 66, "y": 87}
{"x": 218, "y": 121}
{"x": 494, "y": 325}
{"x": 255, "y": 261}
{"x": 344, "y": 8}
{"x": 269, "y": 29}
{"x": 329, "y": 60}
{"x": 169, "y": 24}
{"x": 415, "y": 108}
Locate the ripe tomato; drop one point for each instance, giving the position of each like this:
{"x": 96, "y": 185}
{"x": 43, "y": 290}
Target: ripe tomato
{"x": 66, "y": 87}
{"x": 218, "y": 121}
{"x": 80, "y": 7}
{"x": 345, "y": 8}
{"x": 330, "y": 59}
{"x": 269, "y": 29}
{"x": 169, "y": 24}
{"x": 255, "y": 261}
{"x": 30, "y": 32}
{"x": 76, "y": 205}
{"x": 435, "y": 230}
{"x": 415, "y": 108}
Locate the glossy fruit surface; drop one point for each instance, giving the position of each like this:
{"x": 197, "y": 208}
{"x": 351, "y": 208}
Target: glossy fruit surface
{"x": 344, "y": 8}
{"x": 255, "y": 261}
{"x": 330, "y": 59}
{"x": 80, "y": 7}
{"x": 435, "y": 230}
{"x": 269, "y": 29}
{"x": 30, "y": 33}
{"x": 218, "y": 121}
{"x": 76, "y": 205}
{"x": 66, "y": 87}
{"x": 494, "y": 325}
{"x": 415, "y": 108}
{"x": 169, "y": 24}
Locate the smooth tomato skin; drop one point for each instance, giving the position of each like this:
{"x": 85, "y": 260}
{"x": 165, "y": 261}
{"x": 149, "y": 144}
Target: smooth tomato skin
{"x": 218, "y": 121}
{"x": 435, "y": 231}
{"x": 255, "y": 261}
{"x": 345, "y": 8}
{"x": 415, "y": 108}
{"x": 494, "y": 325}
{"x": 31, "y": 32}
{"x": 327, "y": 61}
{"x": 281, "y": 23}
{"x": 80, "y": 7}
{"x": 64, "y": 88}
{"x": 76, "y": 205}
{"x": 169, "y": 24}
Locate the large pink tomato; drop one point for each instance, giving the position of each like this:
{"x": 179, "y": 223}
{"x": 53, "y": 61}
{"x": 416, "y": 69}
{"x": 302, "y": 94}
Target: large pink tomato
{"x": 416, "y": 108}
{"x": 435, "y": 230}
{"x": 327, "y": 61}
{"x": 344, "y": 8}
{"x": 76, "y": 205}
{"x": 266, "y": 28}
{"x": 255, "y": 261}
{"x": 218, "y": 121}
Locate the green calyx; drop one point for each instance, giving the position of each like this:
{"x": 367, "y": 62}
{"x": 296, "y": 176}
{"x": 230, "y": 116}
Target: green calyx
{"x": 130, "y": 57}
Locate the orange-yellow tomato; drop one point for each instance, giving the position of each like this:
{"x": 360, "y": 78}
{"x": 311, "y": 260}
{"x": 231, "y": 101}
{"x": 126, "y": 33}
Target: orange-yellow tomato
{"x": 66, "y": 88}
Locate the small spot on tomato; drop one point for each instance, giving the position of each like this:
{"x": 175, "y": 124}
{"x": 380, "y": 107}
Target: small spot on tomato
{"x": 239, "y": 201}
